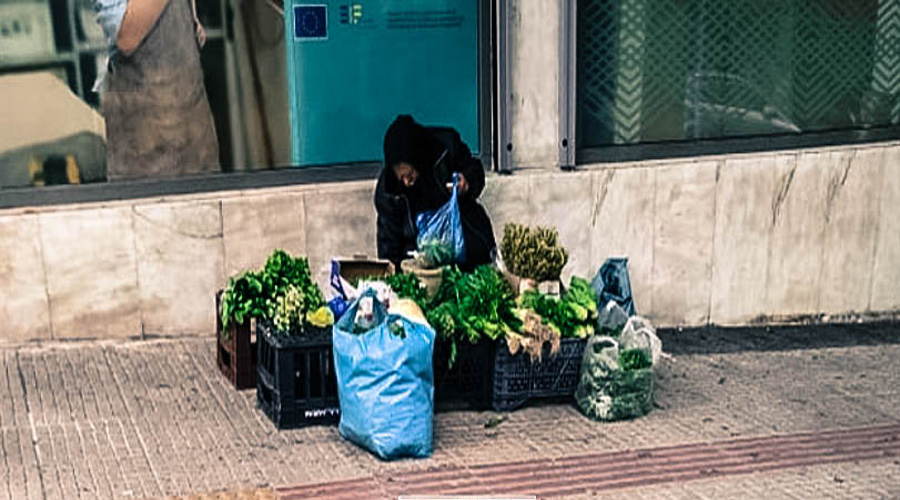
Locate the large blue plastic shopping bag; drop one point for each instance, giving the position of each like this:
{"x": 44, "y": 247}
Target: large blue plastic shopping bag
{"x": 385, "y": 380}
{"x": 440, "y": 240}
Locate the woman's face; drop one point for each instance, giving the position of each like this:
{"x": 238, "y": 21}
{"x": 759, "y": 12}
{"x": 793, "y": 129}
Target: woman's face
{"x": 406, "y": 174}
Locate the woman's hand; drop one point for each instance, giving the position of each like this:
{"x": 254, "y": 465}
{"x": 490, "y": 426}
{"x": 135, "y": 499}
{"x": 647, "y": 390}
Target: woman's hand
{"x": 462, "y": 187}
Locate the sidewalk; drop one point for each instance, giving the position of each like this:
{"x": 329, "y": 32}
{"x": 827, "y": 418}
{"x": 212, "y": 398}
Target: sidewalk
{"x": 155, "y": 418}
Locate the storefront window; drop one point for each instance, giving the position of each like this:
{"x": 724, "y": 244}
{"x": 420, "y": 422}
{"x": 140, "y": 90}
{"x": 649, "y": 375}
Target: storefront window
{"x": 274, "y": 85}
{"x": 683, "y": 70}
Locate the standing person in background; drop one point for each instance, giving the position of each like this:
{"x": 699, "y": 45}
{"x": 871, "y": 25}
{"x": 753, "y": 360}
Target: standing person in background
{"x": 419, "y": 163}
{"x": 158, "y": 120}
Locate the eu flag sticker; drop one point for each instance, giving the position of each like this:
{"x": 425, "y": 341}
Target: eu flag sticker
{"x": 310, "y": 22}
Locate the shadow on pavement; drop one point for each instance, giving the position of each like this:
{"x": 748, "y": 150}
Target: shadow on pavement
{"x": 723, "y": 340}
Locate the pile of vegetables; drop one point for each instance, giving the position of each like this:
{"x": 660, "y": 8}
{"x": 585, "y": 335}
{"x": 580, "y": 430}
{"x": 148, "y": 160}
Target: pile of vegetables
{"x": 572, "y": 315}
{"x": 408, "y": 286}
{"x": 482, "y": 306}
{"x": 473, "y": 306}
{"x": 282, "y": 292}
{"x": 533, "y": 253}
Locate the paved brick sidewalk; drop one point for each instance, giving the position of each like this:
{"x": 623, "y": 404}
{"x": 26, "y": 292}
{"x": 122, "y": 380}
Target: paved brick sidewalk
{"x": 150, "y": 419}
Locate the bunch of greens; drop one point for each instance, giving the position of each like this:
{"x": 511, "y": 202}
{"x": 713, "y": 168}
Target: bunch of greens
{"x": 473, "y": 307}
{"x": 574, "y": 314}
{"x": 533, "y": 253}
{"x": 245, "y": 297}
{"x": 408, "y": 286}
{"x": 286, "y": 314}
{"x": 534, "y": 336}
{"x": 282, "y": 292}
{"x": 285, "y": 271}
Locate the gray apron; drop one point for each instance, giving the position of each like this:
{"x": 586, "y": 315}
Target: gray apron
{"x": 158, "y": 121}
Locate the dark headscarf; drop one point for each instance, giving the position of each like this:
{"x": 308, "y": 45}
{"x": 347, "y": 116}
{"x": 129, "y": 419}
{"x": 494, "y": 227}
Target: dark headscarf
{"x": 408, "y": 142}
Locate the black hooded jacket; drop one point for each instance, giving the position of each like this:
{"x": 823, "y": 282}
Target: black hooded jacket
{"x": 436, "y": 153}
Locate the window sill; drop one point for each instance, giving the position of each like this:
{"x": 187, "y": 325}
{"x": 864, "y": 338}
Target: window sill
{"x": 151, "y": 188}
{"x": 715, "y": 147}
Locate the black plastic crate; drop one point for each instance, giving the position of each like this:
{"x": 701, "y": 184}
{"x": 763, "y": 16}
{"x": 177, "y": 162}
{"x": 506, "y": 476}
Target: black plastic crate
{"x": 516, "y": 380}
{"x": 296, "y": 384}
{"x": 467, "y": 384}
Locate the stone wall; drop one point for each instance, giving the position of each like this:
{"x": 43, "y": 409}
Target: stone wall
{"x": 725, "y": 240}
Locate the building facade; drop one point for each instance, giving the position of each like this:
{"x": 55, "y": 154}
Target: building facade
{"x": 744, "y": 155}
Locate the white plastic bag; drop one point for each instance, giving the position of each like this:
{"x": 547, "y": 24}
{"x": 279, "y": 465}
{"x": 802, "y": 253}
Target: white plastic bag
{"x": 638, "y": 333}
{"x": 612, "y": 319}
{"x": 609, "y": 391}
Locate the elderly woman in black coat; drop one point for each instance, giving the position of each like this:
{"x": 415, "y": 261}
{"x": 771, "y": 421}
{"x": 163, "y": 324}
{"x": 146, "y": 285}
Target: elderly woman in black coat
{"x": 419, "y": 163}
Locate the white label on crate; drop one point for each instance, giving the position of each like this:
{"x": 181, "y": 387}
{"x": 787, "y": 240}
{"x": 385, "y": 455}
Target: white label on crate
{"x": 324, "y": 412}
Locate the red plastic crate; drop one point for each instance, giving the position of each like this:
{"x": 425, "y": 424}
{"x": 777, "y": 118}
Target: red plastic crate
{"x": 236, "y": 355}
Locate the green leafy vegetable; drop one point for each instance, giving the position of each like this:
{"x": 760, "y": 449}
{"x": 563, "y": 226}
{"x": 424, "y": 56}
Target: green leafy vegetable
{"x": 574, "y": 314}
{"x": 408, "y": 286}
{"x": 397, "y": 329}
{"x": 287, "y": 309}
{"x": 533, "y": 253}
{"x": 283, "y": 288}
{"x": 285, "y": 271}
{"x": 580, "y": 297}
{"x": 244, "y": 298}
{"x": 473, "y": 307}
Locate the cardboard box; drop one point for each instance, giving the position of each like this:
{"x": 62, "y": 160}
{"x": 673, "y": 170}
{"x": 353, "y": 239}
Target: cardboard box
{"x": 360, "y": 266}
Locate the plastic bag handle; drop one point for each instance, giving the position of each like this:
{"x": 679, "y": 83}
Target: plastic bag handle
{"x": 370, "y": 292}
{"x": 453, "y": 193}
{"x": 596, "y": 339}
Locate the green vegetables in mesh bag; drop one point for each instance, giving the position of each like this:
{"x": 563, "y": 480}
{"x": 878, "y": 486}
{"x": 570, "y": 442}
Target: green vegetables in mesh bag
{"x": 615, "y": 384}
{"x": 441, "y": 241}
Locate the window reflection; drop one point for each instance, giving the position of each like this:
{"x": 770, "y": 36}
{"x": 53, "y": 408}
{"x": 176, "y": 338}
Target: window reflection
{"x": 652, "y": 71}
{"x": 167, "y": 109}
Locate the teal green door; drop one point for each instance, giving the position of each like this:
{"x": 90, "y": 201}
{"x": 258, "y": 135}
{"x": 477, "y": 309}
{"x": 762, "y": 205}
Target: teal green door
{"x": 354, "y": 66}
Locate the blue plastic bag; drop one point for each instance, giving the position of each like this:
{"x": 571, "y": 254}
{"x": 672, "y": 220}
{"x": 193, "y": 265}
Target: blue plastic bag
{"x": 385, "y": 383}
{"x": 440, "y": 240}
{"x": 338, "y": 306}
{"x": 611, "y": 283}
